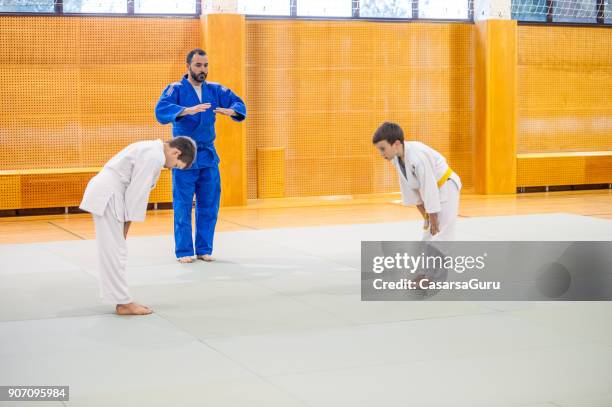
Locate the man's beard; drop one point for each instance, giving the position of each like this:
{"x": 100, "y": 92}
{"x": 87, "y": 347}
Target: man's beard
{"x": 198, "y": 78}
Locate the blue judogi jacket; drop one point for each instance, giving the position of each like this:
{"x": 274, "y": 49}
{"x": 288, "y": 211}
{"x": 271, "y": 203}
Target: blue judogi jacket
{"x": 200, "y": 126}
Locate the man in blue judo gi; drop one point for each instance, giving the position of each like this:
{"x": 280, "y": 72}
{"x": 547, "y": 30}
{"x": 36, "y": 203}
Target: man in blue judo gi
{"x": 191, "y": 105}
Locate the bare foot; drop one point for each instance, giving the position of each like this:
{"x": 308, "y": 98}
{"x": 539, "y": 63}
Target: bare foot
{"x": 206, "y": 257}
{"x": 421, "y": 281}
{"x": 132, "y": 309}
{"x": 187, "y": 259}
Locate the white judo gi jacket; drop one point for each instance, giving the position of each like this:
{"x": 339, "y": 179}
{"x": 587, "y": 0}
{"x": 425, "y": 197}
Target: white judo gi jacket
{"x": 126, "y": 182}
{"x": 119, "y": 194}
{"x": 425, "y": 167}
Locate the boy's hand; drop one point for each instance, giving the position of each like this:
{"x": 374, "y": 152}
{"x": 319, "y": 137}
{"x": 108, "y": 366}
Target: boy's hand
{"x": 126, "y": 228}
{"x": 434, "y": 225}
{"x": 426, "y": 222}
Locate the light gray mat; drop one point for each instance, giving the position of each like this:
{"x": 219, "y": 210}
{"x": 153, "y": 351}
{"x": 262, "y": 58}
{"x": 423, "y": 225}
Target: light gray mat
{"x": 277, "y": 321}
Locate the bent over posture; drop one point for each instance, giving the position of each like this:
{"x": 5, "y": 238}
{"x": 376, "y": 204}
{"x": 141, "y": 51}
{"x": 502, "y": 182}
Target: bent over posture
{"x": 425, "y": 180}
{"x": 119, "y": 195}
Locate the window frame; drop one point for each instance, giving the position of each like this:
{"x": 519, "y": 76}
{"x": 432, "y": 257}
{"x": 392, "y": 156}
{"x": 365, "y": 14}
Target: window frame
{"x": 59, "y": 12}
{"x": 550, "y": 5}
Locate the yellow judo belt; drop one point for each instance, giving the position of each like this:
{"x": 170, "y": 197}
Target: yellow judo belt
{"x": 445, "y": 177}
{"x": 441, "y": 182}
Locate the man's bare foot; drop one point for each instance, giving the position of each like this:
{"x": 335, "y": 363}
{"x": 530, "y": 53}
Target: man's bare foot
{"x": 206, "y": 257}
{"x": 132, "y": 309}
{"x": 187, "y": 259}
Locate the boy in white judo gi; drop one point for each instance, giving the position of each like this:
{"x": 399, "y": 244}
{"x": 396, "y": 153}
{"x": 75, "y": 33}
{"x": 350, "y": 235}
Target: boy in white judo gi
{"x": 119, "y": 195}
{"x": 425, "y": 180}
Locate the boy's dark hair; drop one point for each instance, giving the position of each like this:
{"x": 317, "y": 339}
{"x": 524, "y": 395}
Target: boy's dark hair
{"x": 388, "y": 131}
{"x": 193, "y": 52}
{"x": 187, "y": 148}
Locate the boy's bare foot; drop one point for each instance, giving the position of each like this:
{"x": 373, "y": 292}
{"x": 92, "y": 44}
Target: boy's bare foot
{"x": 206, "y": 257}
{"x": 421, "y": 281}
{"x": 132, "y": 309}
{"x": 187, "y": 259}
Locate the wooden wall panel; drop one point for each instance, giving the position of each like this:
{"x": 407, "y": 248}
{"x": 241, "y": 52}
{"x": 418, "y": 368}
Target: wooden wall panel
{"x": 495, "y": 119}
{"x": 53, "y": 190}
{"x": 550, "y": 169}
{"x": 60, "y": 187}
{"x": 163, "y": 190}
{"x": 224, "y": 42}
{"x": 565, "y": 110}
{"x": 271, "y": 173}
{"x": 564, "y": 89}
{"x": 74, "y": 91}
{"x": 10, "y": 191}
{"x": 86, "y": 87}
{"x": 319, "y": 89}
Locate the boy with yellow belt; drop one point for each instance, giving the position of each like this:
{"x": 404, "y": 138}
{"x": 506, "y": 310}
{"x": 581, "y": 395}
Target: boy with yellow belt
{"x": 425, "y": 180}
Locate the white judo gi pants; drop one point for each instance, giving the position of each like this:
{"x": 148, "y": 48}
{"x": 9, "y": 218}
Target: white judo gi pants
{"x": 447, "y": 217}
{"x": 112, "y": 257}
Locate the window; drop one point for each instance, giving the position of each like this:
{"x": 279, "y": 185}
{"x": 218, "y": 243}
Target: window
{"x": 385, "y": 8}
{"x": 325, "y": 8}
{"x": 264, "y": 7}
{"x": 575, "y": 11}
{"x": 95, "y": 6}
{"x": 529, "y": 10}
{"x": 27, "y": 6}
{"x": 443, "y": 9}
{"x": 392, "y": 9}
{"x": 562, "y": 11}
{"x": 164, "y": 6}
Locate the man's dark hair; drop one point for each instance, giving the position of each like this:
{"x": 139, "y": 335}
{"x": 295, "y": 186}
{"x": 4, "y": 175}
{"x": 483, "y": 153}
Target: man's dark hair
{"x": 195, "y": 51}
{"x": 187, "y": 148}
{"x": 388, "y": 131}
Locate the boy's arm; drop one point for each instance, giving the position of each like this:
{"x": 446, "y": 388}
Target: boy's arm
{"x": 146, "y": 171}
{"x": 430, "y": 194}
{"x": 126, "y": 228}
{"x": 430, "y": 218}
{"x": 421, "y": 208}
{"x": 434, "y": 225}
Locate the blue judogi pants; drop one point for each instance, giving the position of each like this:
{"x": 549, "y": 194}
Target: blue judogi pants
{"x": 205, "y": 184}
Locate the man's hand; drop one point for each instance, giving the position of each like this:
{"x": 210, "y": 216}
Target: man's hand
{"x": 434, "y": 225}
{"x": 195, "y": 109}
{"x": 126, "y": 227}
{"x": 227, "y": 112}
